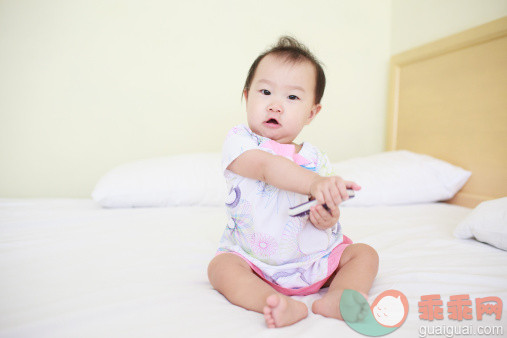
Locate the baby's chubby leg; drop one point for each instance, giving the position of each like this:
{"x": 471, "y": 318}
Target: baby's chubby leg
{"x": 230, "y": 275}
{"x": 356, "y": 271}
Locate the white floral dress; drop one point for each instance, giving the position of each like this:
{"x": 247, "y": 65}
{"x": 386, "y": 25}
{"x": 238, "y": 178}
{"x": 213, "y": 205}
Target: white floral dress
{"x": 289, "y": 251}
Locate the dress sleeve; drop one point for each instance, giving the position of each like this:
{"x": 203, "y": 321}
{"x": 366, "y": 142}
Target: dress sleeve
{"x": 238, "y": 140}
{"x": 324, "y": 167}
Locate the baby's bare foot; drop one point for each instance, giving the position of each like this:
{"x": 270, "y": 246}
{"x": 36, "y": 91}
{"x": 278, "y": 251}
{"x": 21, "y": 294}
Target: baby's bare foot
{"x": 283, "y": 311}
{"x": 329, "y": 306}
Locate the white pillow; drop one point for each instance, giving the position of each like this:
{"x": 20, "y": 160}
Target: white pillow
{"x": 398, "y": 177}
{"x": 190, "y": 179}
{"x": 401, "y": 177}
{"x": 487, "y": 223}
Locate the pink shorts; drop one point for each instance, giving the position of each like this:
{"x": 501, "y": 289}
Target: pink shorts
{"x": 332, "y": 265}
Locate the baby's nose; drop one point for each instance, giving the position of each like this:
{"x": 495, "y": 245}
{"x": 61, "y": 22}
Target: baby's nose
{"x": 275, "y": 108}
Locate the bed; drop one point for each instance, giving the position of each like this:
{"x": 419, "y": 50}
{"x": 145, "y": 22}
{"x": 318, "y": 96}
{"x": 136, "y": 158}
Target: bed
{"x": 132, "y": 261}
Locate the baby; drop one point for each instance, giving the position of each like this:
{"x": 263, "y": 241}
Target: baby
{"x": 265, "y": 255}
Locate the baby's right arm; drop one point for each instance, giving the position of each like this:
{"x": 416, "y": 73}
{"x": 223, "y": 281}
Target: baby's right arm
{"x": 287, "y": 175}
{"x": 274, "y": 170}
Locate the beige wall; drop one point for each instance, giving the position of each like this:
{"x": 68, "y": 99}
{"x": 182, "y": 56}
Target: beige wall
{"x": 88, "y": 84}
{"x": 416, "y": 22}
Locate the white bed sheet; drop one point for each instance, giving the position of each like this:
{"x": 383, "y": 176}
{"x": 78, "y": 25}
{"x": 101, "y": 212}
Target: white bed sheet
{"x": 71, "y": 269}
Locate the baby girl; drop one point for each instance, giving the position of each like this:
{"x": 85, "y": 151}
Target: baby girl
{"x": 265, "y": 255}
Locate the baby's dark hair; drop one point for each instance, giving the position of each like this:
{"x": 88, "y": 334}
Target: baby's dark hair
{"x": 294, "y": 51}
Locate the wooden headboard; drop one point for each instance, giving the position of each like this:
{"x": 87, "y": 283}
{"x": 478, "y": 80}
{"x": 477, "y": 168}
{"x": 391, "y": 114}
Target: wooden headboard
{"x": 448, "y": 99}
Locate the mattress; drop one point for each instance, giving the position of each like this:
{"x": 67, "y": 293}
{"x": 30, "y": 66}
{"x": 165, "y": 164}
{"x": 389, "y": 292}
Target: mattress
{"x": 72, "y": 269}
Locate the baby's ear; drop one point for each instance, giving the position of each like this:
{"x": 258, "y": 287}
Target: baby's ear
{"x": 245, "y": 94}
{"x": 315, "y": 110}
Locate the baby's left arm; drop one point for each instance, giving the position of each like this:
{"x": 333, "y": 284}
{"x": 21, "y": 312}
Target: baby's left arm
{"x": 323, "y": 219}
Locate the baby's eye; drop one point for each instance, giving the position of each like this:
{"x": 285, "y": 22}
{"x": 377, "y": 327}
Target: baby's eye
{"x": 265, "y": 92}
{"x": 293, "y": 97}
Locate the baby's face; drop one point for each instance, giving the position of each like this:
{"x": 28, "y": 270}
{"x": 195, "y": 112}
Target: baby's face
{"x": 280, "y": 101}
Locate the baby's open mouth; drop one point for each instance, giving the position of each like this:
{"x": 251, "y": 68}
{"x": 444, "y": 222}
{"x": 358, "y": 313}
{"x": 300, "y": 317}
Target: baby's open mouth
{"x": 272, "y": 121}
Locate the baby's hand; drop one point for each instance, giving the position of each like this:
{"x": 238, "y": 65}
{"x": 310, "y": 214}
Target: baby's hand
{"x": 331, "y": 190}
{"x": 323, "y": 219}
